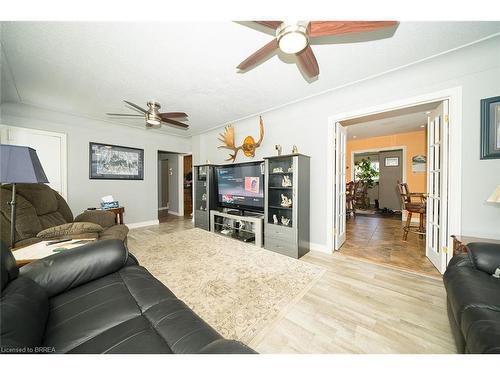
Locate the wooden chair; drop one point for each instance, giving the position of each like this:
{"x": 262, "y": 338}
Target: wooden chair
{"x": 349, "y": 199}
{"x": 412, "y": 203}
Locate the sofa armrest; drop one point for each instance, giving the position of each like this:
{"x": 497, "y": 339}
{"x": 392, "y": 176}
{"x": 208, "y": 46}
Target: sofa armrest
{"x": 105, "y": 219}
{"x": 66, "y": 270}
{"x": 484, "y": 256}
{"x": 223, "y": 346}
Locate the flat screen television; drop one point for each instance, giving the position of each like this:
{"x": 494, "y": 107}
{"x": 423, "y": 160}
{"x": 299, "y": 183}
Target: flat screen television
{"x": 241, "y": 186}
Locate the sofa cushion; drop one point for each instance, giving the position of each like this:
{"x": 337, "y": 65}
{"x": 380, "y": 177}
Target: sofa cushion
{"x": 69, "y": 229}
{"x": 52, "y": 219}
{"x": 128, "y": 311}
{"x": 467, "y": 287}
{"x": 40, "y": 196}
{"x": 116, "y": 232}
{"x": 481, "y": 329}
{"x": 23, "y": 315}
{"x": 105, "y": 219}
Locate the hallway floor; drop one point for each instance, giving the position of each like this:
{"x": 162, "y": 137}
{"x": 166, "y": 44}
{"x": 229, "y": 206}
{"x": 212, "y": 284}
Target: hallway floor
{"x": 380, "y": 240}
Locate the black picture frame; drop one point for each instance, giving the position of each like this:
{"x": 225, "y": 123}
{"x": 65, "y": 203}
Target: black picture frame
{"x": 134, "y": 162}
{"x": 490, "y": 128}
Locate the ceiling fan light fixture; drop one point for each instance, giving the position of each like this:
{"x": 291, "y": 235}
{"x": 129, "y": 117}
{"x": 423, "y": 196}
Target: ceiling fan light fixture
{"x": 292, "y": 36}
{"x": 152, "y": 119}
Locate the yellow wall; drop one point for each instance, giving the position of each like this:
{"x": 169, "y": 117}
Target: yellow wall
{"x": 416, "y": 144}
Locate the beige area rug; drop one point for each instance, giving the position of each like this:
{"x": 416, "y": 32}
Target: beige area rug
{"x": 239, "y": 289}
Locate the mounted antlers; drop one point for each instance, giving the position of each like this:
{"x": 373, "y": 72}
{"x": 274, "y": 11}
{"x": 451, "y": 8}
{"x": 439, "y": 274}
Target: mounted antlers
{"x": 249, "y": 145}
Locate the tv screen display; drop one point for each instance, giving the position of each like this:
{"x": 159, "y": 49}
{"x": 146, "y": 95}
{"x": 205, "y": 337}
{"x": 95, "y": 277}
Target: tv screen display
{"x": 241, "y": 186}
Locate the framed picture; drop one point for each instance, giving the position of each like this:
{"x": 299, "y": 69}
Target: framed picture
{"x": 392, "y": 162}
{"x": 490, "y": 128}
{"x": 111, "y": 162}
{"x": 419, "y": 164}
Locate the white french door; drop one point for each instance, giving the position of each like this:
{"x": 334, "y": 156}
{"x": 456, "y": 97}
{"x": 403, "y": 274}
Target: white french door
{"x": 340, "y": 185}
{"x": 437, "y": 186}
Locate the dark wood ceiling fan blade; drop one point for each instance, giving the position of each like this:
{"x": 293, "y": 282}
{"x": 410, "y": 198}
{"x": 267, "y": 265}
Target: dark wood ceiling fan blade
{"x": 326, "y": 28}
{"x": 271, "y": 24}
{"x": 307, "y": 62}
{"x": 173, "y": 115}
{"x": 258, "y": 55}
{"x": 123, "y": 115}
{"x": 136, "y": 106}
{"x": 173, "y": 122}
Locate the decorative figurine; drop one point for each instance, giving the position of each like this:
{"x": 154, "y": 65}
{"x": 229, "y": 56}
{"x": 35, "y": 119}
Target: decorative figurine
{"x": 278, "y": 170}
{"x": 285, "y": 201}
{"x": 290, "y": 169}
{"x": 286, "y": 182}
{"x": 275, "y": 219}
{"x": 249, "y": 144}
{"x": 204, "y": 197}
{"x": 278, "y": 148}
{"x": 285, "y": 220}
{"x": 295, "y": 150}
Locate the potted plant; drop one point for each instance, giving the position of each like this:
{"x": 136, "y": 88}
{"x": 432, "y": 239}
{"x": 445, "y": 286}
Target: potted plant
{"x": 365, "y": 173}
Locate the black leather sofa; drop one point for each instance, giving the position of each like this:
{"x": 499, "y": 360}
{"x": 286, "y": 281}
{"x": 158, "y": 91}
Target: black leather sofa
{"x": 97, "y": 299}
{"x": 473, "y": 294}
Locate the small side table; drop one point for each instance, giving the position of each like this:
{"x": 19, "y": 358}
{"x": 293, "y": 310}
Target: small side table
{"x": 118, "y": 211}
{"x": 460, "y": 243}
{"x": 30, "y": 253}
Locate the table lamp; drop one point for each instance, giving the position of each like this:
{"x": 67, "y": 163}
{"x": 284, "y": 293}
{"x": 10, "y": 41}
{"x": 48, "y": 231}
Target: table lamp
{"x": 19, "y": 164}
{"x": 495, "y": 197}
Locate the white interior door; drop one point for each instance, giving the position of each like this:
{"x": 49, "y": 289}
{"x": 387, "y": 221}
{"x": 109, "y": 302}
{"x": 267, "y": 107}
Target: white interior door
{"x": 437, "y": 187}
{"x": 50, "y": 148}
{"x": 340, "y": 185}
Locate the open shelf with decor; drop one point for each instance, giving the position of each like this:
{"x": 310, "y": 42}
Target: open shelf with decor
{"x": 286, "y": 209}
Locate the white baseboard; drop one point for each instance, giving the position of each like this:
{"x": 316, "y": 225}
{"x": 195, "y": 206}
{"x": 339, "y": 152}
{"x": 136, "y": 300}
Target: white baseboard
{"x": 175, "y": 213}
{"x": 318, "y": 247}
{"x": 162, "y": 208}
{"x": 143, "y": 224}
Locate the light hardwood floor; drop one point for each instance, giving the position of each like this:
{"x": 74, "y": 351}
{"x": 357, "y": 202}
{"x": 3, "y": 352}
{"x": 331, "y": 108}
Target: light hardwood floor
{"x": 355, "y": 307}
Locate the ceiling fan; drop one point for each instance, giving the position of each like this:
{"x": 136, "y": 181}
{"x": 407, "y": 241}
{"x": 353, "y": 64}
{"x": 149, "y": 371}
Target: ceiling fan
{"x": 153, "y": 116}
{"x": 296, "y": 37}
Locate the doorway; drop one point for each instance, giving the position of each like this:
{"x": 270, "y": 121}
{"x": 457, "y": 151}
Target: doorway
{"x": 382, "y": 242}
{"x": 188, "y": 185}
{"x": 169, "y": 189}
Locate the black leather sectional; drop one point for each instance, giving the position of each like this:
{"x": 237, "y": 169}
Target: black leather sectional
{"x": 97, "y": 299}
{"x": 473, "y": 294}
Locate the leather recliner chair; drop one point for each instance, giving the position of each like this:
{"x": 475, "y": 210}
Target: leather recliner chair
{"x": 473, "y": 294}
{"x": 97, "y": 299}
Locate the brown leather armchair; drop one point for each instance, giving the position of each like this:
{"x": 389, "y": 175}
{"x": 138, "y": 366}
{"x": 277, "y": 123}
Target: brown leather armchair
{"x": 40, "y": 208}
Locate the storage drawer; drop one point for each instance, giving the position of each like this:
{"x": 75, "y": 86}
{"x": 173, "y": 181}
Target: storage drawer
{"x": 282, "y": 247}
{"x": 280, "y": 232}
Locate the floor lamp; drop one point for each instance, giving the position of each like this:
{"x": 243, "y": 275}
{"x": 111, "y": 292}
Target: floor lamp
{"x": 19, "y": 164}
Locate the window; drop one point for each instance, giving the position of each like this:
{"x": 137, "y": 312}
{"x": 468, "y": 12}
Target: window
{"x": 375, "y": 164}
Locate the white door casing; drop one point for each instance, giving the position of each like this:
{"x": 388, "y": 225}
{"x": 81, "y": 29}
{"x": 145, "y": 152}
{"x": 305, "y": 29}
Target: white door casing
{"x": 340, "y": 185}
{"x": 50, "y": 148}
{"x": 437, "y": 187}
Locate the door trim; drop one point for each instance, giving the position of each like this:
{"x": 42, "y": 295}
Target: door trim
{"x": 4, "y": 128}
{"x": 454, "y": 95}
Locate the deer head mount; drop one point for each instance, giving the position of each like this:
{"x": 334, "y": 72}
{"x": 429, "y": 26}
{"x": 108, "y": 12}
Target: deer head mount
{"x": 249, "y": 145}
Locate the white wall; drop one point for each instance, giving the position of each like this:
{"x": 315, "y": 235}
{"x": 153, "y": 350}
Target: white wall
{"x": 140, "y": 198}
{"x": 475, "y": 68}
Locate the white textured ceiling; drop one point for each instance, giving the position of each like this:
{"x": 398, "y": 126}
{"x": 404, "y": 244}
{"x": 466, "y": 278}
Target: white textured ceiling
{"x": 398, "y": 121}
{"x": 88, "y": 68}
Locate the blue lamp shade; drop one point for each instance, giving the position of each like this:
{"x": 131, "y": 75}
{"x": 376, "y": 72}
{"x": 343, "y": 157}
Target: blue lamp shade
{"x": 20, "y": 164}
